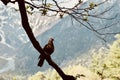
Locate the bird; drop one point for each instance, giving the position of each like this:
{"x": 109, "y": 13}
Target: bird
{"x": 49, "y": 49}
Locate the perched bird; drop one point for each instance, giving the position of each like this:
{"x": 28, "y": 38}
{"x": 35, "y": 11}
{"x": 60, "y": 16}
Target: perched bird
{"x": 49, "y": 49}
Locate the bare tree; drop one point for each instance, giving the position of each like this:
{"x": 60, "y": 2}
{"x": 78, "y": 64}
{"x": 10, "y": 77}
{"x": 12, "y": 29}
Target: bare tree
{"x": 76, "y": 12}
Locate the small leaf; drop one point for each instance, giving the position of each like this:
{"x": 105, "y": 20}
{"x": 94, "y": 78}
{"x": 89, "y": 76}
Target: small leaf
{"x": 27, "y": 7}
{"x": 80, "y": 1}
{"x": 104, "y": 66}
{"x": 29, "y": 12}
{"x": 85, "y": 18}
{"x": 92, "y": 5}
{"x": 31, "y": 8}
{"x": 86, "y": 14}
{"x": 44, "y": 12}
{"x": 61, "y": 15}
{"x": 99, "y": 73}
{"x": 80, "y": 75}
{"x": 48, "y": 5}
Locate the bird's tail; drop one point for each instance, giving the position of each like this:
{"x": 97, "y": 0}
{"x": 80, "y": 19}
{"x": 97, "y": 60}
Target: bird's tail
{"x": 40, "y": 63}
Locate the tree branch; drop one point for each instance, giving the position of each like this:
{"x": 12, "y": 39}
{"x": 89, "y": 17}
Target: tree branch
{"x": 36, "y": 43}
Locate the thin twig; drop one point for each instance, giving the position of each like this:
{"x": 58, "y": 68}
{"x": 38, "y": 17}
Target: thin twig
{"x": 107, "y": 26}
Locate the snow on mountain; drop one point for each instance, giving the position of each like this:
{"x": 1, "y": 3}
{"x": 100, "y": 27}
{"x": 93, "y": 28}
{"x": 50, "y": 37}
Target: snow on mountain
{"x": 71, "y": 40}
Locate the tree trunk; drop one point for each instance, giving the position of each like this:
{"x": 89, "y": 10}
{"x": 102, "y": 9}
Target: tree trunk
{"x": 36, "y": 44}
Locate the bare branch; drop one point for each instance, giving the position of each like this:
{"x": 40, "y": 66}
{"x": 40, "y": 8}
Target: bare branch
{"x": 77, "y": 13}
{"x": 41, "y": 7}
{"x": 101, "y": 13}
{"x": 57, "y": 5}
{"x": 108, "y": 26}
{"x": 36, "y": 44}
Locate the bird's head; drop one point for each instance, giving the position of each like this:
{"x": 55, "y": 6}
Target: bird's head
{"x": 51, "y": 39}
